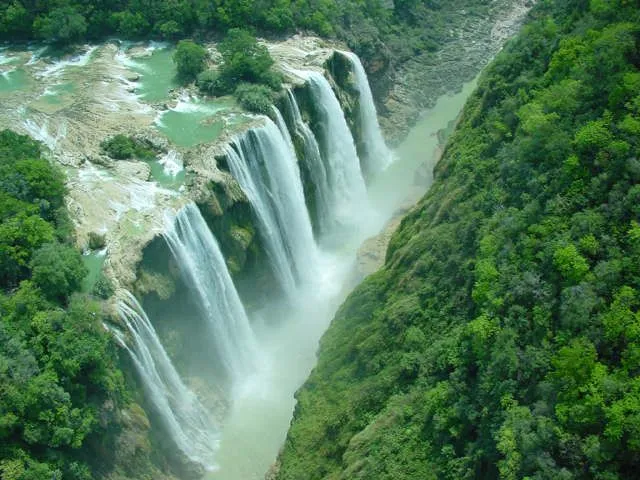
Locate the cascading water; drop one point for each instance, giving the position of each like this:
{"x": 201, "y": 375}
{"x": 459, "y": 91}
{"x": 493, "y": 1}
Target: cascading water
{"x": 282, "y": 126}
{"x": 204, "y": 270}
{"x": 313, "y": 160}
{"x": 184, "y": 417}
{"x": 349, "y": 203}
{"x": 264, "y": 164}
{"x": 376, "y": 155}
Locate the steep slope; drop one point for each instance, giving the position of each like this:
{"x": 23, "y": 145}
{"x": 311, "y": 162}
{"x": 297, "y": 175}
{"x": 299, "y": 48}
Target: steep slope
{"x": 66, "y": 408}
{"x": 501, "y": 338}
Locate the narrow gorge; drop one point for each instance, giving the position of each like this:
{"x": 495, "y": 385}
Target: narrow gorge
{"x": 224, "y": 247}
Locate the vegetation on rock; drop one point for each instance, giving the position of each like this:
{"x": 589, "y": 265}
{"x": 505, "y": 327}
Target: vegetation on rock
{"x": 255, "y": 98}
{"x": 190, "y": 59}
{"x": 123, "y": 147}
{"x": 246, "y": 72}
{"x": 60, "y": 385}
{"x": 382, "y": 33}
{"x": 500, "y": 339}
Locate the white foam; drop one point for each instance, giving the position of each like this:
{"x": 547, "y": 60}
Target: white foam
{"x": 42, "y": 133}
{"x": 7, "y": 73}
{"x": 4, "y": 59}
{"x": 76, "y": 61}
{"x": 89, "y": 174}
{"x": 35, "y": 55}
{"x": 155, "y": 45}
{"x": 138, "y": 195}
{"x": 126, "y": 61}
{"x": 172, "y": 163}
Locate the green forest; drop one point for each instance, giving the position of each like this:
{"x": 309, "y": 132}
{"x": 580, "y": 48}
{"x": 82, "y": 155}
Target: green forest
{"x": 59, "y": 378}
{"x": 370, "y": 27}
{"x": 502, "y": 337}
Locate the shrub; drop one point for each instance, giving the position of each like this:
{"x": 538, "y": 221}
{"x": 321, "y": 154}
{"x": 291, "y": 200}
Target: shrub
{"x": 61, "y": 25}
{"x": 211, "y": 82}
{"x": 170, "y": 29}
{"x": 190, "y": 59}
{"x": 255, "y": 98}
{"x": 246, "y": 60}
{"x": 122, "y": 147}
{"x": 58, "y": 270}
{"x": 272, "y": 79}
{"x": 103, "y": 288}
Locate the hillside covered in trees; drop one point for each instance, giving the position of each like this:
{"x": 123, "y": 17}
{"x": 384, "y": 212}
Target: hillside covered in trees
{"x": 62, "y": 393}
{"x": 403, "y": 27}
{"x": 502, "y": 337}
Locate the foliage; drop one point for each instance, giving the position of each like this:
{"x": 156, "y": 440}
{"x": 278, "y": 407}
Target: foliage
{"x": 58, "y": 366}
{"x": 502, "y": 337}
{"x": 122, "y": 147}
{"x": 104, "y": 287}
{"x": 381, "y": 32}
{"x": 57, "y": 270}
{"x": 244, "y": 58}
{"x": 211, "y": 82}
{"x": 246, "y": 72}
{"x": 190, "y": 59}
{"x": 61, "y": 25}
{"x": 255, "y": 98}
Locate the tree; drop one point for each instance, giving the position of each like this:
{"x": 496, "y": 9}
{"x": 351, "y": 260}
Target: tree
{"x": 20, "y": 236}
{"x": 255, "y": 98}
{"x": 131, "y": 24}
{"x": 58, "y": 270}
{"x": 16, "y": 20}
{"x": 571, "y": 265}
{"x": 170, "y": 29}
{"x": 61, "y": 25}
{"x": 190, "y": 59}
{"x": 244, "y": 58}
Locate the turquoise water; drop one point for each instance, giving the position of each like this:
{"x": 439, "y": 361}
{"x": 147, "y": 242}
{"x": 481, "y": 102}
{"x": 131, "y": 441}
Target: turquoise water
{"x": 157, "y": 75}
{"x": 54, "y": 95}
{"x": 192, "y": 122}
{"x": 160, "y": 175}
{"x": 94, "y": 262}
{"x": 13, "y": 80}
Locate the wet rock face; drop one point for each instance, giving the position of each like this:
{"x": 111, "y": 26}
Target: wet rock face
{"x": 403, "y": 90}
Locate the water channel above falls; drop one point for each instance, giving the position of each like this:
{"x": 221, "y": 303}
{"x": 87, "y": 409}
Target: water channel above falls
{"x": 261, "y": 411}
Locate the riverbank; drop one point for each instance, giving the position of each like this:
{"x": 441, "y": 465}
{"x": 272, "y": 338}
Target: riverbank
{"x": 405, "y": 92}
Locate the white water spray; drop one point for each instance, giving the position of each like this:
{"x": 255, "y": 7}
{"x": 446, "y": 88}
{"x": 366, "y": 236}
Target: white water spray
{"x": 172, "y": 163}
{"x": 204, "y": 270}
{"x": 376, "y": 155}
{"x": 315, "y": 164}
{"x": 349, "y": 202}
{"x": 184, "y": 417}
{"x": 57, "y": 67}
{"x": 265, "y": 165}
{"x": 42, "y": 134}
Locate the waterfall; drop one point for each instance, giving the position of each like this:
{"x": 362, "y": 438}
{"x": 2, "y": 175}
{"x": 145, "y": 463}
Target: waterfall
{"x": 316, "y": 166}
{"x": 184, "y": 417}
{"x": 282, "y": 126}
{"x": 376, "y": 155}
{"x": 204, "y": 271}
{"x": 264, "y": 164}
{"x": 348, "y": 196}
